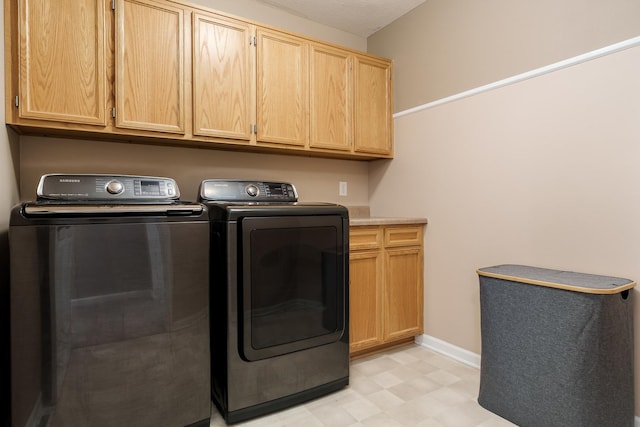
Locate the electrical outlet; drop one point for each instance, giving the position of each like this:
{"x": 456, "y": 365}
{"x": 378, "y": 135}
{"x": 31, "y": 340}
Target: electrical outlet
{"x": 342, "y": 188}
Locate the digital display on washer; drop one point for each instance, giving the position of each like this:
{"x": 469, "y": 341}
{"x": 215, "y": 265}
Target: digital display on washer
{"x": 150, "y": 188}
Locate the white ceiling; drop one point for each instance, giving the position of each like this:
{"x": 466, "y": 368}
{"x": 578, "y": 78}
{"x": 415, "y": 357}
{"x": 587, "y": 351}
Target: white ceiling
{"x": 359, "y": 17}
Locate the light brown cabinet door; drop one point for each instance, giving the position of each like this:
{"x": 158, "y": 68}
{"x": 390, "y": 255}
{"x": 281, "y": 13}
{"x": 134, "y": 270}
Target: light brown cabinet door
{"x": 282, "y": 89}
{"x": 373, "y": 121}
{"x": 62, "y": 60}
{"x": 150, "y": 67}
{"x": 222, "y": 101}
{"x": 403, "y": 293}
{"x": 330, "y": 107}
{"x": 365, "y": 300}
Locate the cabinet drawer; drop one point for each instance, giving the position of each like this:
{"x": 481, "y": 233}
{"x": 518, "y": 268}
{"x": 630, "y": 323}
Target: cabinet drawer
{"x": 403, "y": 236}
{"x": 365, "y": 238}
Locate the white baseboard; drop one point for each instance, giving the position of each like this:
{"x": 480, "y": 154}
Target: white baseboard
{"x": 461, "y": 355}
{"x": 458, "y": 353}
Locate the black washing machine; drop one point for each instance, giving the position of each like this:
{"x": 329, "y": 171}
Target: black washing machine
{"x": 109, "y": 305}
{"x": 279, "y": 297}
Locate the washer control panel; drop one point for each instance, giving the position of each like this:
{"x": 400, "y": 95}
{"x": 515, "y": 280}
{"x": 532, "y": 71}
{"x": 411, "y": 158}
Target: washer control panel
{"x": 87, "y": 187}
{"x": 221, "y": 190}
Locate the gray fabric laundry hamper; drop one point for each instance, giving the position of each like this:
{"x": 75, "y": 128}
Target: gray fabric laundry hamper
{"x": 557, "y": 347}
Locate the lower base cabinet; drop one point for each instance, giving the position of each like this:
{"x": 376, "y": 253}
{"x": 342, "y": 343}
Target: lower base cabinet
{"x": 385, "y": 286}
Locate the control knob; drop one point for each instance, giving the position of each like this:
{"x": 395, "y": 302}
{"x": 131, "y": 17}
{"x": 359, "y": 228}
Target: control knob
{"x": 115, "y": 187}
{"x": 252, "y": 190}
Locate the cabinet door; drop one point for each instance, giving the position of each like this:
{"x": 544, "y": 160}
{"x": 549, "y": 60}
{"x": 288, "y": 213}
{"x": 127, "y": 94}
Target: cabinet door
{"x": 222, "y": 77}
{"x": 330, "y": 99}
{"x": 404, "y": 293}
{"x": 282, "y": 89}
{"x": 62, "y": 60}
{"x": 150, "y": 66}
{"x": 365, "y": 300}
{"x": 373, "y": 122}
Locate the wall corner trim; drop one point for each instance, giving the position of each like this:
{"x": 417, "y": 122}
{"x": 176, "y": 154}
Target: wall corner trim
{"x": 594, "y": 54}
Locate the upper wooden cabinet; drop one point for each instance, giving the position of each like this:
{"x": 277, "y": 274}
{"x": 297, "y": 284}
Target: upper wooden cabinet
{"x": 150, "y": 77}
{"x": 61, "y": 60}
{"x": 151, "y": 70}
{"x": 350, "y": 102}
{"x": 222, "y": 77}
{"x": 373, "y": 123}
{"x": 330, "y": 109}
{"x": 282, "y": 88}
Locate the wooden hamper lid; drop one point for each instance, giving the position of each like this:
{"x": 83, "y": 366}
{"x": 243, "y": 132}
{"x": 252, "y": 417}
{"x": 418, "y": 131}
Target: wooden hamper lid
{"x": 567, "y": 280}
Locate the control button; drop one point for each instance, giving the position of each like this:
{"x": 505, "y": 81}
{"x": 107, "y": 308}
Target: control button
{"x": 115, "y": 187}
{"x": 252, "y": 190}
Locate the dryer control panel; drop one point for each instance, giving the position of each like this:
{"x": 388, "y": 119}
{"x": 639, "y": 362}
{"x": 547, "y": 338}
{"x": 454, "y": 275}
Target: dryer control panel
{"x": 99, "y": 187}
{"x": 222, "y": 190}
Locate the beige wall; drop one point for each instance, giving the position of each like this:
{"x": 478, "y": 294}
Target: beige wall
{"x": 315, "y": 179}
{"x": 543, "y": 172}
{"x": 449, "y": 46}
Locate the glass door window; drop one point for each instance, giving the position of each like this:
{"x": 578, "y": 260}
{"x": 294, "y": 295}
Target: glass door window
{"x": 293, "y": 292}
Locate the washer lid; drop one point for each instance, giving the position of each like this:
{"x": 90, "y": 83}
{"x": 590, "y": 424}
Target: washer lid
{"x": 107, "y": 188}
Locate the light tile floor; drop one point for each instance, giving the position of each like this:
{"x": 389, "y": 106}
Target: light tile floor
{"x": 410, "y": 386}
